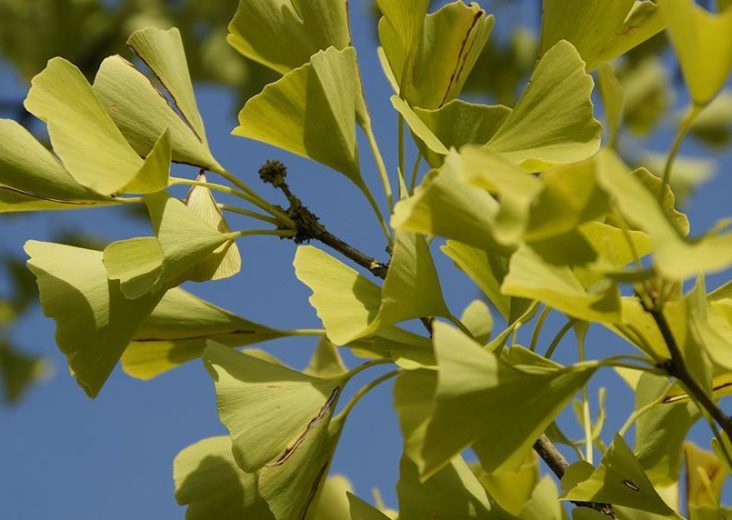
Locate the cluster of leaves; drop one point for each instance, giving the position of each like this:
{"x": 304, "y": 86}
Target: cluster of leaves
{"x": 530, "y": 202}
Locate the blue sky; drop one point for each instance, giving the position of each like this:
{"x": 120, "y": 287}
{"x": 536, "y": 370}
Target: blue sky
{"x": 65, "y": 456}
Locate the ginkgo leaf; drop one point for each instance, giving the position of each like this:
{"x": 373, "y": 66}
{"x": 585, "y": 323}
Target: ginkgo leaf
{"x": 453, "y": 492}
{"x": 309, "y": 26}
{"x": 332, "y": 502}
{"x": 84, "y": 136}
{"x": 553, "y": 122}
{"x": 29, "y": 169}
{"x": 611, "y": 92}
{"x": 414, "y": 393}
{"x": 311, "y": 112}
{"x": 142, "y": 113}
{"x": 15, "y": 201}
{"x": 639, "y": 328}
{"x": 351, "y": 307}
{"x": 544, "y": 503}
{"x": 702, "y": 44}
{"x": 19, "y": 372}
{"x": 271, "y": 411}
{"x": 326, "y": 362}
{"x": 361, "y": 510}
{"x": 209, "y": 482}
{"x": 675, "y": 256}
{"x": 619, "y": 480}
{"x": 514, "y": 187}
{"x": 601, "y": 31}
{"x": 163, "y": 52}
{"x": 177, "y": 332}
{"x": 94, "y": 321}
{"x": 458, "y": 123}
{"x": 531, "y": 277}
{"x": 224, "y": 262}
{"x": 444, "y": 205}
{"x": 705, "y": 478}
{"x": 660, "y": 432}
{"x": 475, "y": 404}
{"x": 431, "y": 55}
{"x": 511, "y": 489}
{"x": 183, "y": 241}
{"x": 478, "y": 320}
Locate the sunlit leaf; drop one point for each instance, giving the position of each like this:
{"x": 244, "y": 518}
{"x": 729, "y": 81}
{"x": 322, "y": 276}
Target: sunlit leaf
{"x": 705, "y": 479}
{"x": 270, "y": 410}
{"x": 431, "y": 55}
{"x": 310, "y": 26}
{"x": 361, "y": 510}
{"x": 660, "y": 432}
{"x": 702, "y": 44}
{"x": 675, "y": 256}
{"x": 177, "y": 332}
{"x": 414, "y": 393}
{"x": 444, "y": 205}
{"x": 474, "y": 404}
{"x": 601, "y": 31}
{"x": 612, "y": 100}
{"x": 714, "y": 124}
{"x": 332, "y": 502}
{"x": 478, "y": 320}
{"x": 352, "y": 307}
{"x": 311, "y": 112}
{"x": 544, "y": 503}
{"x": 84, "y": 136}
{"x": 142, "y": 113}
{"x": 553, "y": 122}
{"x": 163, "y": 52}
{"x": 512, "y": 489}
{"x": 619, "y": 480}
{"x": 452, "y": 492}
{"x": 326, "y": 362}
{"x": 147, "y": 264}
{"x": 95, "y": 322}
{"x": 530, "y": 277}
{"x": 31, "y": 173}
{"x": 226, "y": 260}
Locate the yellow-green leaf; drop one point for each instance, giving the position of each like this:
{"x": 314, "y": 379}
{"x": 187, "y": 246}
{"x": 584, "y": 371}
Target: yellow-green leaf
{"x": 531, "y": 277}
{"x": 553, "y": 122}
{"x": 163, "y": 52}
{"x": 285, "y": 35}
{"x": 311, "y": 112}
{"x": 600, "y": 30}
{"x": 142, "y": 114}
{"x": 702, "y": 44}
{"x": 361, "y": 510}
{"x": 225, "y": 261}
{"x": 177, "y": 331}
{"x": 271, "y": 411}
{"x": 94, "y": 321}
{"x": 619, "y": 480}
{"x": 84, "y": 136}
{"x": 474, "y": 404}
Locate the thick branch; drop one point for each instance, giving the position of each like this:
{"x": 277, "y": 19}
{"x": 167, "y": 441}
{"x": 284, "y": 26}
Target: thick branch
{"x": 310, "y": 228}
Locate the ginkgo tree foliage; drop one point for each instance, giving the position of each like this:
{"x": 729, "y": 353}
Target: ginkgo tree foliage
{"x": 534, "y": 202}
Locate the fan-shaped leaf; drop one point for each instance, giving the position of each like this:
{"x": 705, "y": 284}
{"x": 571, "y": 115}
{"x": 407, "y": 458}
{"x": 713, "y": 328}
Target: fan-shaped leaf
{"x": 702, "y": 44}
{"x": 475, "y": 404}
{"x": 285, "y": 35}
{"x": 94, "y": 321}
{"x": 177, "y": 332}
{"x": 84, "y": 136}
{"x": 553, "y": 122}
{"x": 601, "y": 31}
{"x": 271, "y": 411}
{"x": 311, "y": 112}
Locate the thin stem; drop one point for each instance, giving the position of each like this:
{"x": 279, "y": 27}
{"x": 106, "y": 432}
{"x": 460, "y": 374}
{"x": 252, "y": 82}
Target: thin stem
{"x": 459, "y": 324}
{"x": 641, "y": 411}
{"x": 365, "y": 366}
{"x": 306, "y": 332}
{"x": 415, "y": 172}
{"x": 402, "y": 149}
{"x": 366, "y": 389}
{"x": 283, "y": 233}
{"x": 720, "y": 439}
{"x": 537, "y": 328}
{"x": 586, "y": 412}
{"x": 248, "y": 213}
{"x": 559, "y": 337}
{"x": 380, "y": 165}
{"x": 684, "y": 127}
{"x": 256, "y": 198}
{"x": 377, "y": 211}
